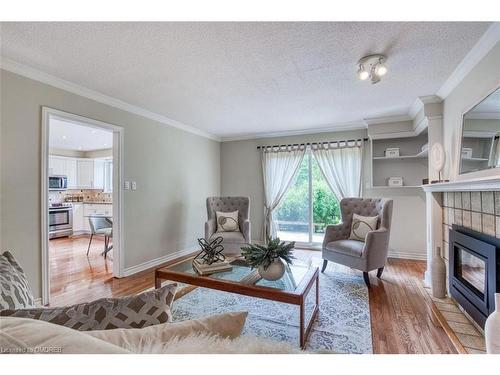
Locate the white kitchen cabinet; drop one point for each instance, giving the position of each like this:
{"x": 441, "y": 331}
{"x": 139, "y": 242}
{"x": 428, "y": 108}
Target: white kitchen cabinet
{"x": 98, "y": 174}
{"x": 62, "y": 166}
{"x": 71, "y": 172}
{"x": 57, "y": 166}
{"x": 86, "y": 223}
{"x": 98, "y": 209}
{"x": 108, "y": 176}
{"x": 78, "y": 219}
{"x": 82, "y": 173}
{"x": 85, "y": 173}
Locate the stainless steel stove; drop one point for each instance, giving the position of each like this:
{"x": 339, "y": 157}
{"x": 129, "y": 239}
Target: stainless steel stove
{"x": 60, "y": 220}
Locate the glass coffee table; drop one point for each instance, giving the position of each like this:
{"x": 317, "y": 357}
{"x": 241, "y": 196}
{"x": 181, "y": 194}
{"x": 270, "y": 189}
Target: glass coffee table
{"x": 292, "y": 288}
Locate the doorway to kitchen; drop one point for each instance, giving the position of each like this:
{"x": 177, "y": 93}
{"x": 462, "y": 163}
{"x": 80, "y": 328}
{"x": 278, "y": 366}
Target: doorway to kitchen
{"x": 81, "y": 204}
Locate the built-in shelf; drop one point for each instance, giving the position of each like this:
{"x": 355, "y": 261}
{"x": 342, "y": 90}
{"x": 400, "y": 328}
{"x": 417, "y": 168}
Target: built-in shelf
{"x": 474, "y": 159}
{"x": 420, "y": 155}
{"x": 397, "y": 187}
{"x": 411, "y": 165}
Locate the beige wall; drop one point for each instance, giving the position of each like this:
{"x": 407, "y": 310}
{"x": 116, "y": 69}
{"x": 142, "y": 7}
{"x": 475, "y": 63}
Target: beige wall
{"x": 241, "y": 174}
{"x": 175, "y": 171}
{"x": 482, "y": 80}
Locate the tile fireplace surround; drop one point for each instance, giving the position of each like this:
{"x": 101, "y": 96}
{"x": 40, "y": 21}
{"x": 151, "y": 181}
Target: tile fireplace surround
{"x": 476, "y": 210}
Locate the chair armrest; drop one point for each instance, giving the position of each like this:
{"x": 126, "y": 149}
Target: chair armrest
{"x": 246, "y": 230}
{"x": 335, "y": 233}
{"x": 210, "y": 228}
{"x": 377, "y": 247}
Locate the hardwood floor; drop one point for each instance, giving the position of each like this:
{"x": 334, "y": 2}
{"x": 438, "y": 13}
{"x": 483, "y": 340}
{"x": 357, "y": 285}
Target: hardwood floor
{"x": 400, "y": 308}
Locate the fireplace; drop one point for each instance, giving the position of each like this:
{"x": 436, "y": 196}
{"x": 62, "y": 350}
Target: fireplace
{"x": 474, "y": 271}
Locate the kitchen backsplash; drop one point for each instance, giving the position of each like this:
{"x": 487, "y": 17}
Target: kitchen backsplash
{"x": 80, "y": 195}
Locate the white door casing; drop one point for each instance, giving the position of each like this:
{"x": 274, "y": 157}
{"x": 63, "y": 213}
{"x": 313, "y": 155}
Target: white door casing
{"x": 118, "y": 141}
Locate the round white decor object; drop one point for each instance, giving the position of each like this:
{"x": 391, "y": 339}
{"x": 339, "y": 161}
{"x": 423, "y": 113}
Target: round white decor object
{"x": 275, "y": 271}
{"x": 492, "y": 329}
{"x": 438, "y": 157}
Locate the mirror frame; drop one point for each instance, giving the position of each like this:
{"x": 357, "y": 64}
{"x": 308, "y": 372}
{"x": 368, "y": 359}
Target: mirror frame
{"x": 485, "y": 174}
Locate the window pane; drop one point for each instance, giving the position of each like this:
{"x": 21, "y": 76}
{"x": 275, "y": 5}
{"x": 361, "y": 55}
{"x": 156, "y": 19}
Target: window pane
{"x": 293, "y": 213}
{"x": 326, "y": 209}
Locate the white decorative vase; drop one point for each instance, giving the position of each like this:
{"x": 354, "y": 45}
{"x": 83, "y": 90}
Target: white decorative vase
{"x": 438, "y": 274}
{"x": 275, "y": 271}
{"x": 492, "y": 329}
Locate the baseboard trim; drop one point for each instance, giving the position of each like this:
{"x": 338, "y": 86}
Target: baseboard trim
{"x": 157, "y": 261}
{"x": 405, "y": 255}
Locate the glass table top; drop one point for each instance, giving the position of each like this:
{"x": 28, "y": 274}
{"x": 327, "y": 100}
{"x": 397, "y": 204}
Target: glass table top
{"x": 243, "y": 273}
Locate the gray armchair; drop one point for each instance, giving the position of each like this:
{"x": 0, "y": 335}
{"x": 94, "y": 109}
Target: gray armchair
{"x": 232, "y": 241}
{"x": 364, "y": 256}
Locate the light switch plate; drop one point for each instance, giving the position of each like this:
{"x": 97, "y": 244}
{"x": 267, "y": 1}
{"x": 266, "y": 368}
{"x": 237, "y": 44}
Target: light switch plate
{"x": 126, "y": 185}
{"x": 133, "y": 184}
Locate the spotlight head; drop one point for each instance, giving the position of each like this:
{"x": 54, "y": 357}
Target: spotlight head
{"x": 362, "y": 73}
{"x": 381, "y": 69}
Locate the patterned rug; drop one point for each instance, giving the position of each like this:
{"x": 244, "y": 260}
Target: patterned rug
{"x": 342, "y": 324}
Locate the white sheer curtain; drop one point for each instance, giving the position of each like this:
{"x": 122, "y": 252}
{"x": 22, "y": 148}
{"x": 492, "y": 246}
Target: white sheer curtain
{"x": 341, "y": 165}
{"x": 279, "y": 167}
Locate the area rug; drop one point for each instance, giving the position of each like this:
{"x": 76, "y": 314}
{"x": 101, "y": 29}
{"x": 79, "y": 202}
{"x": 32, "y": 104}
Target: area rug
{"x": 342, "y": 324}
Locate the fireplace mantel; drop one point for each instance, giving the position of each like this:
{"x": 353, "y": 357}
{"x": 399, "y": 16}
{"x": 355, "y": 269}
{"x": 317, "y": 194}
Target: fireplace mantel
{"x": 465, "y": 185}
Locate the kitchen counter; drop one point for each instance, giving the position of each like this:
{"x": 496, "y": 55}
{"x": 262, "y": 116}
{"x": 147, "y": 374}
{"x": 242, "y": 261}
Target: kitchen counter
{"x": 86, "y": 202}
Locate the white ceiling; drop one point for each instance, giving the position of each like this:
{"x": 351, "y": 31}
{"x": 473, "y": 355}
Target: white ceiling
{"x": 232, "y": 79}
{"x": 77, "y": 137}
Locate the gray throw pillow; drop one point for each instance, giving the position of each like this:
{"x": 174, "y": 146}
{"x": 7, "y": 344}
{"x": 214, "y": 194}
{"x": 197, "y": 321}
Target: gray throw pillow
{"x": 142, "y": 310}
{"x": 15, "y": 292}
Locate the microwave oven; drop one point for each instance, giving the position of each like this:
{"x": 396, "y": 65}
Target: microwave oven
{"x": 58, "y": 182}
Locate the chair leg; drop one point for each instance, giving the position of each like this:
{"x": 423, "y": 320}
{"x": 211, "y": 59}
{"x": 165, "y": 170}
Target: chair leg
{"x": 106, "y": 241}
{"x": 367, "y": 279}
{"x": 325, "y": 263}
{"x": 379, "y": 272}
{"x": 88, "y": 249}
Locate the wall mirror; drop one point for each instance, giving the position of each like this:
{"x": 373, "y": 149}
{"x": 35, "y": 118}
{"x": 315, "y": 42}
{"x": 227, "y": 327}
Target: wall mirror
{"x": 480, "y": 147}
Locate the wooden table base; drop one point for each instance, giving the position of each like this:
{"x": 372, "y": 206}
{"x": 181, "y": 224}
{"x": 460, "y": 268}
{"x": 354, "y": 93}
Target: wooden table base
{"x": 304, "y": 331}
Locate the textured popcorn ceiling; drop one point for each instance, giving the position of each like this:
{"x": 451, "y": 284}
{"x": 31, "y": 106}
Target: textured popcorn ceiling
{"x": 234, "y": 79}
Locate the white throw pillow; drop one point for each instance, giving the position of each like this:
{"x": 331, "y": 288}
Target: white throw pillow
{"x": 227, "y": 221}
{"x": 361, "y": 225}
{"x": 22, "y": 335}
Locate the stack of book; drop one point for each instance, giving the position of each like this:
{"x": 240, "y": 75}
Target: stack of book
{"x": 207, "y": 269}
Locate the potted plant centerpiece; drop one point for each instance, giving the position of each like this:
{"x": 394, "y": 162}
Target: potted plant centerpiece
{"x": 269, "y": 259}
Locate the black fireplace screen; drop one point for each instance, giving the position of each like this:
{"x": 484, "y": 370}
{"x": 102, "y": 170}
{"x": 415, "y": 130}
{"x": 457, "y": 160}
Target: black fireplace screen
{"x": 471, "y": 269}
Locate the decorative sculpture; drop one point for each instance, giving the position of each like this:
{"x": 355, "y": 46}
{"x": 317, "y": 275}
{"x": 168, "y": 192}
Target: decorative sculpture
{"x": 211, "y": 252}
{"x": 438, "y": 274}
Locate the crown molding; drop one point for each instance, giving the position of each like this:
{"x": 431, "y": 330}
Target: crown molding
{"x": 355, "y": 125}
{"x": 38, "y": 75}
{"x": 386, "y": 120}
{"x": 420, "y": 102}
{"x": 480, "y": 49}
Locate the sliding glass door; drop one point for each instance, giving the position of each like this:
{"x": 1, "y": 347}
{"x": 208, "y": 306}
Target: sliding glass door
{"x": 308, "y": 206}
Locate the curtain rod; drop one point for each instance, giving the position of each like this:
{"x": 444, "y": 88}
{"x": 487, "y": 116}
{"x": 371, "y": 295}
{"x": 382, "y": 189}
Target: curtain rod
{"x": 313, "y": 143}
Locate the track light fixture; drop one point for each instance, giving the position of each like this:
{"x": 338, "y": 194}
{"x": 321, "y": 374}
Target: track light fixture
{"x": 373, "y": 67}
